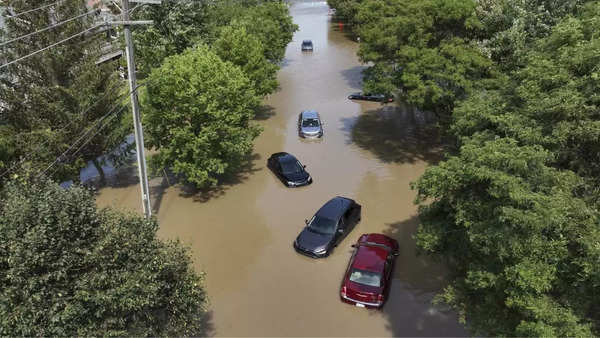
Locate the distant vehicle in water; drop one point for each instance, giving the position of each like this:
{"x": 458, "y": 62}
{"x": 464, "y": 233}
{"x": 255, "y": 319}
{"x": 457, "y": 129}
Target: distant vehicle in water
{"x": 289, "y": 170}
{"x": 332, "y": 223}
{"x": 371, "y": 97}
{"x": 307, "y": 46}
{"x": 369, "y": 273}
{"x": 309, "y": 124}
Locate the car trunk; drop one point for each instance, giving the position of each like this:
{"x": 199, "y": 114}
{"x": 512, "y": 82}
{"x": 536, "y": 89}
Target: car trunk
{"x": 363, "y": 293}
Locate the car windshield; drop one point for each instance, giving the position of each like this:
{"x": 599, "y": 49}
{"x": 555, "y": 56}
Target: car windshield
{"x": 365, "y": 277}
{"x": 322, "y": 225}
{"x": 379, "y": 245}
{"x": 307, "y": 43}
{"x": 291, "y": 167}
{"x": 310, "y": 122}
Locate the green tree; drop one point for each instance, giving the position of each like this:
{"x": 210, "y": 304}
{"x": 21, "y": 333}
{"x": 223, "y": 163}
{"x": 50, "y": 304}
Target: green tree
{"x": 246, "y": 51}
{"x": 68, "y": 269}
{"x": 517, "y": 238}
{"x": 184, "y": 24}
{"x": 346, "y": 10}
{"x": 516, "y": 211}
{"x": 272, "y": 24}
{"x": 48, "y": 100}
{"x": 423, "y": 48}
{"x": 199, "y": 114}
{"x": 178, "y": 25}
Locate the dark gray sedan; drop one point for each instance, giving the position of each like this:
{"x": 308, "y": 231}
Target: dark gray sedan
{"x": 309, "y": 124}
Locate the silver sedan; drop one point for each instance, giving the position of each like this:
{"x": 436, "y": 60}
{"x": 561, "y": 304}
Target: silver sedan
{"x": 309, "y": 124}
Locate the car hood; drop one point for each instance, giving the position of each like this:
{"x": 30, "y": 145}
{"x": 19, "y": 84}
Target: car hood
{"x": 312, "y": 241}
{"x": 311, "y": 130}
{"x": 296, "y": 177}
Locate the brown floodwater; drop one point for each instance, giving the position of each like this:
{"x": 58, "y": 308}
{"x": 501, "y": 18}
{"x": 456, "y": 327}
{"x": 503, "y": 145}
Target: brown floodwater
{"x": 241, "y": 234}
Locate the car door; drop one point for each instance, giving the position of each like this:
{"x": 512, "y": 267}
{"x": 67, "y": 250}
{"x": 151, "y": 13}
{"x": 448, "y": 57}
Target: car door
{"x": 279, "y": 170}
{"x": 346, "y": 223}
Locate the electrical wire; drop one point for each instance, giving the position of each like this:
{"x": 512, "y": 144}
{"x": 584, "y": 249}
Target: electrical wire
{"x": 74, "y": 144}
{"x": 88, "y": 140}
{"x": 47, "y": 28}
{"x": 45, "y": 143}
{"x": 48, "y": 47}
{"x": 85, "y": 134}
{"x": 33, "y": 10}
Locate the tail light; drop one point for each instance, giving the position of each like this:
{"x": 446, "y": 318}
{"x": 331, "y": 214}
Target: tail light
{"x": 380, "y": 299}
{"x": 343, "y": 291}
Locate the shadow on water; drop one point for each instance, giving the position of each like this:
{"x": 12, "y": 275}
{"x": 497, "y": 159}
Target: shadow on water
{"x": 417, "y": 278}
{"x": 207, "y": 326}
{"x": 204, "y": 195}
{"x": 353, "y": 76}
{"x": 264, "y": 112}
{"x": 396, "y": 134}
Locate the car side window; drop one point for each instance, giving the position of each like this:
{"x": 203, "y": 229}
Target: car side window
{"x": 348, "y": 216}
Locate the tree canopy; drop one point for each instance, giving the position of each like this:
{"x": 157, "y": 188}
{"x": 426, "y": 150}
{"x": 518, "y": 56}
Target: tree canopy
{"x": 48, "y": 100}
{"x": 185, "y": 24}
{"x": 515, "y": 207}
{"x": 199, "y": 116}
{"x": 68, "y": 269}
{"x": 246, "y": 51}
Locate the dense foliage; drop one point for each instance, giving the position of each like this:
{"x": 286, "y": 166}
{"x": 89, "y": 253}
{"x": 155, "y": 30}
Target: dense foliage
{"x": 68, "y": 269}
{"x": 246, "y": 51}
{"x": 199, "y": 116}
{"x": 183, "y": 24}
{"x": 218, "y": 60}
{"x": 48, "y": 100}
{"x": 514, "y": 208}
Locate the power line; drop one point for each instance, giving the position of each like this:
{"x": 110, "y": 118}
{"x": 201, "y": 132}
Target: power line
{"x": 85, "y": 134}
{"x": 52, "y": 45}
{"x": 39, "y": 147}
{"x": 86, "y": 142}
{"x": 33, "y": 10}
{"x": 47, "y": 28}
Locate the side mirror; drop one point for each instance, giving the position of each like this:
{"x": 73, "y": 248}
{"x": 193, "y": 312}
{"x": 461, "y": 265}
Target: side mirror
{"x": 306, "y": 221}
{"x": 353, "y": 245}
{"x": 304, "y": 166}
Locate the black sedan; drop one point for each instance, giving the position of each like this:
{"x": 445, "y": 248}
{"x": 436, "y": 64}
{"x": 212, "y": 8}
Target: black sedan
{"x": 371, "y": 97}
{"x": 289, "y": 170}
{"x": 328, "y": 227}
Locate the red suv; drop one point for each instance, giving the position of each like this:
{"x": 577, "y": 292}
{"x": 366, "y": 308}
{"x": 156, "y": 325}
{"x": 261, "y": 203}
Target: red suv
{"x": 368, "y": 276}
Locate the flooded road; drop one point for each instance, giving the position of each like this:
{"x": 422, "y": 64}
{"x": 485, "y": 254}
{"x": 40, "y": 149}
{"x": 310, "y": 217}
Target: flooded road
{"x": 241, "y": 235}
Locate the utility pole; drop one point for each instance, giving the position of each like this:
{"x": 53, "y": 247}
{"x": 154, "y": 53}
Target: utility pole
{"x": 137, "y": 123}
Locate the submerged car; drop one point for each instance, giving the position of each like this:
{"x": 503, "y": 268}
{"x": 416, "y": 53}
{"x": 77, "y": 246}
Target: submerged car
{"x": 289, "y": 170}
{"x": 369, "y": 273}
{"x": 371, "y": 97}
{"x": 309, "y": 124}
{"x": 307, "y": 46}
{"x": 328, "y": 227}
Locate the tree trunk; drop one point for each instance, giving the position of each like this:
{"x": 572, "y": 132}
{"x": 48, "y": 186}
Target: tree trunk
{"x": 100, "y": 171}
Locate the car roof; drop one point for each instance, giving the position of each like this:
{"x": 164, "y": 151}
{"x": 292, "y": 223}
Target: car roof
{"x": 370, "y": 258}
{"x": 334, "y": 208}
{"x": 283, "y": 156}
{"x": 310, "y": 114}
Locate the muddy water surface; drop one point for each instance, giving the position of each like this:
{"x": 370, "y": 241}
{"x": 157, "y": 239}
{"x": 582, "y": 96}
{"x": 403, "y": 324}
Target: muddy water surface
{"x": 241, "y": 235}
